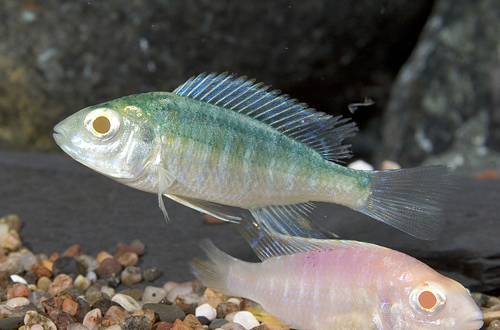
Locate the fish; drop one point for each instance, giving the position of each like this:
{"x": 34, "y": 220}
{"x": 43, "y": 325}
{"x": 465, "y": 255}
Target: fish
{"x": 223, "y": 141}
{"x": 307, "y": 283}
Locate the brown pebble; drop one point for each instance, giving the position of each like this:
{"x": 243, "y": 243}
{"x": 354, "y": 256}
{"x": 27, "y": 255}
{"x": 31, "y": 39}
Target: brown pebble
{"x": 162, "y": 325}
{"x": 494, "y": 325}
{"x": 191, "y": 321}
{"x": 69, "y": 304}
{"x": 488, "y": 175}
{"x": 114, "y": 315}
{"x": 149, "y": 313}
{"x": 179, "y": 325}
{"x": 210, "y": 219}
{"x": 40, "y": 270}
{"x": 61, "y": 282}
{"x": 135, "y": 293}
{"x": 122, "y": 247}
{"x": 126, "y": 258}
{"x": 54, "y": 256}
{"x": 389, "y": 165}
{"x": 214, "y": 298}
{"x": 11, "y": 241}
{"x": 51, "y": 304}
{"x": 61, "y": 319}
{"x": 225, "y": 308}
{"x": 186, "y": 308}
{"x": 47, "y": 264}
{"x": 72, "y": 251}
{"x": 490, "y": 316}
{"x": 5, "y": 279}
{"x": 260, "y": 327}
{"x": 18, "y": 290}
{"x": 232, "y": 326}
{"x": 43, "y": 283}
{"x": 109, "y": 266}
{"x": 103, "y": 255}
{"x": 271, "y": 326}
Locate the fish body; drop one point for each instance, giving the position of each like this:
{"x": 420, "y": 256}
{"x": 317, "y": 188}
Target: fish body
{"x": 221, "y": 140}
{"x": 335, "y": 284}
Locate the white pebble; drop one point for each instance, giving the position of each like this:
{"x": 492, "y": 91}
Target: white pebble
{"x": 18, "y": 279}
{"x": 127, "y": 302}
{"x": 360, "y": 165}
{"x": 207, "y": 311}
{"x": 180, "y": 290}
{"x": 81, "y": 282}
{"x": 18, "y": 301}
{"x": 153, "y": 294}
{"x": 35, "y": 321}
{"x": 246, "y": 319}
{"x": 235, "y": 301}
{"x": 114, "y": 327}
{"x": 93, "y": 319}
{"x": 170, "y": 285}
{"x": 108, "y": 290}
{"x": 4, "y": 229}
{"x": 92, "y": 276}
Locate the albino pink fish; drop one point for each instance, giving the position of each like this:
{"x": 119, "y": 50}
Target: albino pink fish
{"x": 335, "y": 284}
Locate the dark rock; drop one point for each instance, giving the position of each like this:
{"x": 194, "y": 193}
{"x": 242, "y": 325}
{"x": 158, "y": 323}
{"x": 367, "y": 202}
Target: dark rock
{"x": 217, "y": 323}
{"x": 83, "y": 309}
{"x": 66, "y": 265}
{"x": 137, "y": 322}
{"x": 165, "y": 312}
{"x": 449, "y": 87}
{"x": 26, "y": 308}
{"x": 111, "y": 280}
{"x": 104, "y": 305}
{"x": 151, "y": 274}
{"x": 203, "y": 320}
{"x": 35, "y": 296}
{"x": 186, "y": 308}
{"x": 73, "y": 291}
{"x": 10, "y": 323}
{"x": 95, "y": 296}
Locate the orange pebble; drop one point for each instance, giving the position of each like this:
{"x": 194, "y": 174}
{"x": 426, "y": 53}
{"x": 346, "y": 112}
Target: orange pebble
{"x": 488, "y": 175}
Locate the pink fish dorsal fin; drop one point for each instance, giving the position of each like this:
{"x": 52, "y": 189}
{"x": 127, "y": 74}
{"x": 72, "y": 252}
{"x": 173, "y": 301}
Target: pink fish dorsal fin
{"x": 267, "y": 243}
{"x": 320, "y": 131}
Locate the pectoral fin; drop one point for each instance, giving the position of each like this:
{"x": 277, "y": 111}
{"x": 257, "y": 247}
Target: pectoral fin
{"x": 213, "y": 209}
{"x": 166, "y": 179}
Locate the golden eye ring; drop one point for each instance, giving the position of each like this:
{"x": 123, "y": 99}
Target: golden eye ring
{"x": 428, "y": 298}
{"x": 102, "y": 123}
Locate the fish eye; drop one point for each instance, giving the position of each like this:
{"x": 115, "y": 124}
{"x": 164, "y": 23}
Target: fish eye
{"x": 428, "y": 298}
{"x": 102, "y": 123}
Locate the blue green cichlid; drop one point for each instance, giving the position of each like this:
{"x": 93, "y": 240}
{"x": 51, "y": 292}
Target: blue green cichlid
{"x": 220, "y": 140}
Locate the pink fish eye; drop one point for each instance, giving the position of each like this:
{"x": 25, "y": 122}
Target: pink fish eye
{"x": 428, "y": 298}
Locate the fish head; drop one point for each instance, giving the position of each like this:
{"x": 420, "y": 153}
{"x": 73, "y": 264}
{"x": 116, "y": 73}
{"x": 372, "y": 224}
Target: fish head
{"x": 117, "y": 138}
{"x": 432, "y": 302}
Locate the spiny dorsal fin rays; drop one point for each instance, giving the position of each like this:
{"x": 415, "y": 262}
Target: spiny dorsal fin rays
{"x": 267, "y": 243}
{"x": 318, "y": 130}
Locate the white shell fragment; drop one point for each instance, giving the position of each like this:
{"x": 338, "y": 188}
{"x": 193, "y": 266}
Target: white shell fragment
{"x": 18, "y": 279}
{"x": 207, "y": 311}
{"x": 360, "y": 165}
{"x": 246, "y": 319}
{"x": 153, "y": 294}
{"x": 127, "y": 302}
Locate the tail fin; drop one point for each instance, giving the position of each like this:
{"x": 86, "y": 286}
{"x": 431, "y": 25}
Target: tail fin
{"x": 213, "y": 273}
{"x": 410, "y": 199}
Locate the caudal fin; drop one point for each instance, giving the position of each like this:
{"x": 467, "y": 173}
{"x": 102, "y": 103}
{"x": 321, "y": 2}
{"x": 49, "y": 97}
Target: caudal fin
{"x": 410, "y": 199}
{"x": 213, "y": 273}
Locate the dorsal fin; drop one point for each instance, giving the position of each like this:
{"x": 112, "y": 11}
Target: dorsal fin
{"x": 320, "y": 131}
{"x": 267, "y": 244}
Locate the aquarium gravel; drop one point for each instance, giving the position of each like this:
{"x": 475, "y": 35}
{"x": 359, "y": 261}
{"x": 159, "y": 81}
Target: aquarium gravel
{"x": 76, "y": 291}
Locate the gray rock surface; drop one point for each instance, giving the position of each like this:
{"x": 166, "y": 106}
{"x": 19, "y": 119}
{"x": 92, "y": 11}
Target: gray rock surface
{"x": 56, "y": 58}
{"x": 445, "y": 102}
{"x": 63, "y": 203}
